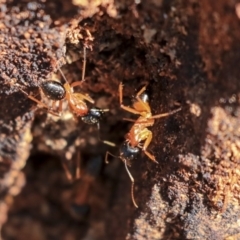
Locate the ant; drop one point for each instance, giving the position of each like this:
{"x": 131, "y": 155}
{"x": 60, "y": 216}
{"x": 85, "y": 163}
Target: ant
{"x": 57, "y": 91}
{"x": 139, "y": 136}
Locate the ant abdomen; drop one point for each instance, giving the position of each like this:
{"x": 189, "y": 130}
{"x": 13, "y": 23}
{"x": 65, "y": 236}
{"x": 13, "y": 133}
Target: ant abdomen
{"x": 144, "y": 97}
{"x": 127, "y": 152}
{"x": 53, "y": 90}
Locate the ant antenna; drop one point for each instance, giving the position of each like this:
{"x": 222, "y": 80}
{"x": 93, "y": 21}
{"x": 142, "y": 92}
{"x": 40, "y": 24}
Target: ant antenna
{"x": 106, "y": 156}
{"x": 104, "y": 141}
{"x": 132, "y": 188}
{"x": 84, "y": 63}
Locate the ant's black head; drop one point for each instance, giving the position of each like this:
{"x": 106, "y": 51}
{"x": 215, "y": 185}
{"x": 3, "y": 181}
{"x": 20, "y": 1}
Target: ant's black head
{"x": 53, "y": 90}
{"x": 93, "y": 116}
{"x": 127, "y": 152}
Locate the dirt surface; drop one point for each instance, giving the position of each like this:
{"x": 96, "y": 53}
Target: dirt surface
{"x": 186, "y": 52}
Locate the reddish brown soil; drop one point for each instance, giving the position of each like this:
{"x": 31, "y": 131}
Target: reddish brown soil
{"x": 187, "y": 52}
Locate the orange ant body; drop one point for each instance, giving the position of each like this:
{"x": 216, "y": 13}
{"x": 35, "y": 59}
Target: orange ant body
{"x": 139, "y": 136}
{"x": 57, "y": 91}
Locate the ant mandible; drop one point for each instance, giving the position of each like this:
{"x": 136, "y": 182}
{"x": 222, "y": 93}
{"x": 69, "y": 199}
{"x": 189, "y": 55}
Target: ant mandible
{"x": 139, "y": 136}
{"x": 57, "y": 91}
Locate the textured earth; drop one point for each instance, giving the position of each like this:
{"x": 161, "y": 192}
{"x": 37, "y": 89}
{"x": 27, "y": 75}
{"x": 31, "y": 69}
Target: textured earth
{"x": 187, "y": 54}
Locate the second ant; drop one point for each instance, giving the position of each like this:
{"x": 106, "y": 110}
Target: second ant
{"x": 139, "y": 136}
{"x": 56, "y": 91}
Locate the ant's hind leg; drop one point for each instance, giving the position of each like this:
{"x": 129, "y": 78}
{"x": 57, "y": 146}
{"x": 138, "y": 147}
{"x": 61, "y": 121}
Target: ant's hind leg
{"x": 34, "y": 99}
{"x": 40, "y": 103}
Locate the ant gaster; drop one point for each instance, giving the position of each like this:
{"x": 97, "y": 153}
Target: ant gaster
{"x": 139, "y": 137}
{"x": 57, "y": 91}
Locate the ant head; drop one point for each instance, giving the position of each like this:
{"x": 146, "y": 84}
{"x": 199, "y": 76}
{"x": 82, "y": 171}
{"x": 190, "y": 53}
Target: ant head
{"x": 127, "y": 152}
{"x": 93, "y": 116}
{"x": 53, "y": 90}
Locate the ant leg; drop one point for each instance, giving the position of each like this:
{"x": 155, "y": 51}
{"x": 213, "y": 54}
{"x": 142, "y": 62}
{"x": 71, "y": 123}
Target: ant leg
{"x": 143, "y": 89}
{"x": 78, "y": 167}
{"x": 132, "y": 188}
{"x": 130, "y": 120}
{"x": 60, "y": 106}
{"x": 34, "y": 99}
{"x": 145, "y": 146}
{"x": 53, "y": 104}
{"x": 77, "y": 83}
{"x": 129, "y": 174}
{"x": 67, "y": 171}
{"x": 120, "y": 90}
{"x": 39, "y": 103}
{"x": 84, "y": 64}
{"x": 145, "y": 105}
{"x": 146, "y": 121}
{"x": 128, "y": 109}
{"x": 83, "y": 96}
{"x": 165, "y": 114}
{"x": 106, "y": 156}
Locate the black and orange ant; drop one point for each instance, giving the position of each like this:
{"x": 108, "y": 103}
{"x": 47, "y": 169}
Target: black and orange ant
{"x": 139, "y": 136}
{"x": 57, "y": 91}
